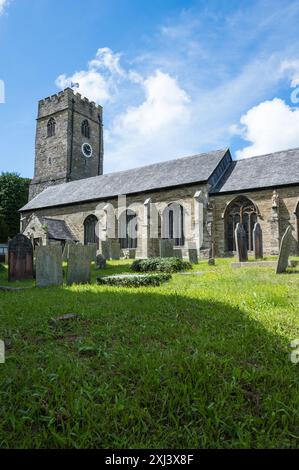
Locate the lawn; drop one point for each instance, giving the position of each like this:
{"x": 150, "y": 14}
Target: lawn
{"x": 201, "y": 361}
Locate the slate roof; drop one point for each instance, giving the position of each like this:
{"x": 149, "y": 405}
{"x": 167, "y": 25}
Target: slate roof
{"x": 271, "y": 170}
{"x": 187, "y": 170}
{"x": 58, "y": 229}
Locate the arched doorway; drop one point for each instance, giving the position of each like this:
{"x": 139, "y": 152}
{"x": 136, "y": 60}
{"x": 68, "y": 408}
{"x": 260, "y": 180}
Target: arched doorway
{"x": 241, "y": 210}
{"x": 173, "y": 224}
{"x": 128, "y": 229}
{"x": 90, "y": 230}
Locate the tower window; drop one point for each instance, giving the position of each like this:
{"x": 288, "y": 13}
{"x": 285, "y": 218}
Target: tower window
{"x": 85, "y": 129}
{"x": 51, "y": 127}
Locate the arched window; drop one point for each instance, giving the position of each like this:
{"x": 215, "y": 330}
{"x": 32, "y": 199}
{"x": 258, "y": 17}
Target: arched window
{"x": 173, "y": 224}
{"x": 90, "y": 230}
{"x": 85, "y": 129}
{"x": 244, "y": 211}
{"x": 51, "y": 127}
{"x": 128, "y": 229}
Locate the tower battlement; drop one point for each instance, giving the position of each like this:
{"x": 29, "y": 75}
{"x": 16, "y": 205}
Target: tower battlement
{"x": 66, "y": 98}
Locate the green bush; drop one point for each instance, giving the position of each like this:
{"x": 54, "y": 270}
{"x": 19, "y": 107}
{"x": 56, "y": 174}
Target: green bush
{"x": 139, "y": 280}
{"x": 167, "y": 265}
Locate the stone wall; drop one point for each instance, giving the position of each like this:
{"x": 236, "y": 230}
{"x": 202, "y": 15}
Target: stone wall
{"x": 273, "y": 223}
{"x": 74, "y": 215}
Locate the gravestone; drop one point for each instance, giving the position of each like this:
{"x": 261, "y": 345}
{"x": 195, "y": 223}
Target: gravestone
{"x": 92, "y": 251}
{"x": 65, "y": 253}
{"x": 284, "y": 251}
{"x": 78, "y": 270}
{"x": 20, "y": 258}
{"x": 193, "y": 256}
{"x": 241, "y": 243}
{"x": 177, "y": 253}
{"x": 114, "y": 249}
{"x": 166, "y": 248}
{"x": 132, "y": 253}
{"x": 258, "y": 241}
{"x": 105, "y": 249}
{"x": 100, "y": 262}
{"x": 48, "y": 266}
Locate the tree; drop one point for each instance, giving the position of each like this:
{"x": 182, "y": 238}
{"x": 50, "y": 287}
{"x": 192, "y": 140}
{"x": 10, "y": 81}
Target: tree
{"x": 13, "y": 195}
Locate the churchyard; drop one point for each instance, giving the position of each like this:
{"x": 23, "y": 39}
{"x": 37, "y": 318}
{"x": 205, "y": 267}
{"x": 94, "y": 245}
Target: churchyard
{"x": 203, "y": 360}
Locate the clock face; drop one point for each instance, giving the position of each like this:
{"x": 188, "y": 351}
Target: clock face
{"x": 87, "y": 150}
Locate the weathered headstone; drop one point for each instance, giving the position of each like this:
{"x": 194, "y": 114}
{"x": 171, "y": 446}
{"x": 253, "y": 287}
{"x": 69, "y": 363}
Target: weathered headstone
{"x": 78, "y": 270}
{"x": 177, "y": 253}
{"x": 114, "y": 249}
{"x": 284, "y": 251}
{"x": 166, "y": 248}
{"x": 105, "y": 249}
{"x": 211, "y": 261}
{"x": 258, "y": 241}
{"x": 92, "y": 251}
{"x": 48, "y": 266}
{"x": 193, "y": 256}
{"x": 241, "y": 243}
{"x": 132, "y": 253}
{"x": 20, "y": 258}
{"x": 65, "y": 253}
{"x": 100, "y": 262}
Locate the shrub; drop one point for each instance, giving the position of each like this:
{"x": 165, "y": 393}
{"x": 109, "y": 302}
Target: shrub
{"x": 168, "y": 265}
{"x": 131, "y": 280}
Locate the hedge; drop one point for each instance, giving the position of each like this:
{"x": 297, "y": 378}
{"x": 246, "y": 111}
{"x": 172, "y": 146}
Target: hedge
{"x": 168, "y": 265}
{"x": 134, "y": 280}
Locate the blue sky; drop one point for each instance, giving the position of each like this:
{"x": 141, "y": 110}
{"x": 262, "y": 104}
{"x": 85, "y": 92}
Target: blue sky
{"x": 174, "y": 77}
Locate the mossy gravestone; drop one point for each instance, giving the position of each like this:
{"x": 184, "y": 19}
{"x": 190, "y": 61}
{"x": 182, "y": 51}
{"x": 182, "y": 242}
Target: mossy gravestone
{"x": 114, "y": 249}
{"x": 241, "y": 243}
{"x": 20, "y": 258}
{"x": 193, "y": 256}
{"x": 284, "y": 251}
{"x": 258, "y": 241}
{"x": 78, "y": 270}
{"x": 49, "y": 266}
{"x": 166, "y": 249}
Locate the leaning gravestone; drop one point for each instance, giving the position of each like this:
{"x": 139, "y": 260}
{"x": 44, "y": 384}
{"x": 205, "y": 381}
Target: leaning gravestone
{"x": 48, "y": 266}
{"x": 78, "y": 270}
{"x": 114, "y": 249}
{"x": 241, "y": 243}
{"x": 166, "y": 248}
{"x": 284, "y": 251}
{"x": 20, "y": 258}
{"x": 258, "y": 241}
{"x": 105, "y": 249}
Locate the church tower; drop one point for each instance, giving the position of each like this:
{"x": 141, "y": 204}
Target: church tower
{"x": 69, "y": 141}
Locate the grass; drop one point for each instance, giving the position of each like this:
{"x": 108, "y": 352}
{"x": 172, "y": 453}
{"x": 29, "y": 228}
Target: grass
{"x": 201, "y": 361}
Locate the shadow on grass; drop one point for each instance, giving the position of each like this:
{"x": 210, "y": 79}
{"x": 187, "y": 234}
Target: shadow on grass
{"x": 141, "y": 369}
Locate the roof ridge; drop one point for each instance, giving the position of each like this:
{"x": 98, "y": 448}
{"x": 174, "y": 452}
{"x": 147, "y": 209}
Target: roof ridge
{"x": 266, "y": 154}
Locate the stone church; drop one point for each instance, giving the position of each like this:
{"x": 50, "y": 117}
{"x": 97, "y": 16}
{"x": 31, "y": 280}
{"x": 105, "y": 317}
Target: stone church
{"x": 71, "y": 199}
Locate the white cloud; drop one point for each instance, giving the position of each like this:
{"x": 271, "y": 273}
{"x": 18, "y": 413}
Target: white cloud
{"x": 144, "y": 133}
{"x": 3, "y": 5}
{"x": 270, "y": 126}
{"x": 99, "y": 81}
